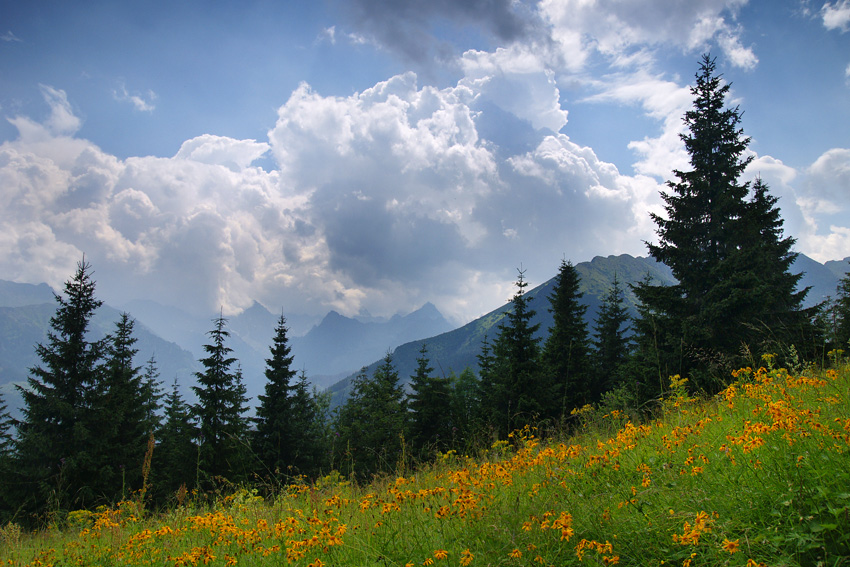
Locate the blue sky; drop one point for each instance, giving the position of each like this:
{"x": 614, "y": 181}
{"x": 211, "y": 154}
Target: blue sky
{"x": 372, "y": 156}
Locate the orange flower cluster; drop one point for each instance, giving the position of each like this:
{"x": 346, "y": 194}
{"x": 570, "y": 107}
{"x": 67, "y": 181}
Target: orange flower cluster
{"x": 606, "y": 550}
{"x": 692, "y": 532}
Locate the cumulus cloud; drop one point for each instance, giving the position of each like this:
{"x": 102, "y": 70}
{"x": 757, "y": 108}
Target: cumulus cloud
{"x": 61, "y": 122}
{"x": 620, "y": 29}
{"x": 199, "y": 230}
{"x": 382, "y": 200}
{"x": 219, "y": 150}
{"x": 385, "y": 198}
{"x": 517, "y": 81}
{"x": 830, "y": 177}
{"x": 824, "y": 203}
{"x": 836, "y": 15}
{"x": 661, "y": 99}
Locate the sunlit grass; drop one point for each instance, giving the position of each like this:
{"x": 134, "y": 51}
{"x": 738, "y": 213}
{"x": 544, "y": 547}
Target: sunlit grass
{"x": 759, "y": 474}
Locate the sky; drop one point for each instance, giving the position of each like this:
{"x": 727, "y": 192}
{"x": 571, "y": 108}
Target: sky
{"x": 369, "y": 156}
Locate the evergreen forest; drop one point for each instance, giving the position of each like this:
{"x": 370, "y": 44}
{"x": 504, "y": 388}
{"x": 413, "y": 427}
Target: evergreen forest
{"x": 98, "y": 428}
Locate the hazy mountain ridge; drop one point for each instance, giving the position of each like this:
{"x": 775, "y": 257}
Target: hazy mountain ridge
{"x": 23, "y": 327}
{"x": 342, "y": 344}
{"x": 332, "y": 350}
{"x": 455, "y": 350}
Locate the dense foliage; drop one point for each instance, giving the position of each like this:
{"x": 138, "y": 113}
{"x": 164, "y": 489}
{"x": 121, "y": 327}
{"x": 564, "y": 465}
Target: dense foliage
{"x": 726, "y": 251}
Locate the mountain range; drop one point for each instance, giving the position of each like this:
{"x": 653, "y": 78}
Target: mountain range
{"x": 332, "y": 351}
{"x": 329, "y": 351}
{"x": 457, "y": 349}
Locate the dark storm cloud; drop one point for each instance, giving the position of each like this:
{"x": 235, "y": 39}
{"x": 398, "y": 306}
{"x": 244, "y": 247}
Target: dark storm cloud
{"x": 411, "y": 27}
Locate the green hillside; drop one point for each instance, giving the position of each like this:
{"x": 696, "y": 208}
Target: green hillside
{"x": 755, "y": 476}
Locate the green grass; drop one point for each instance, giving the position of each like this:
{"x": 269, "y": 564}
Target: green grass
{"x": 759, "y": 474}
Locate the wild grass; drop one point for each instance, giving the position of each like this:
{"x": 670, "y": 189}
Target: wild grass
{"x": 757, "y": 475}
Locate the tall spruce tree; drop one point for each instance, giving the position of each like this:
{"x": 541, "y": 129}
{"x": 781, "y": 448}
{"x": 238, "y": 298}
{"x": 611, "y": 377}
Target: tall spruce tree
{"x": 841, "y": 331}
{"x": 430, "y": 426}
{"x": 6, "y": 423}
{"x": 176, "y": 454}
{"x": 372, "y": 423}
{"x": 57, "y": 450}
{"x": 610, "y": 343}
{"x": 566, "y": 351}
{"x": 718, "y": 243}
{"x": 6, "y": 447}
{"x": 310, "y": 418}
{"x": 650, "y": 364}
{"x": 512, "y": 390}
{"x": 222, "y": 428}
{"x": 276, "y": 433}
{"x": 463, "y": 407}
{"x": 151, "y": 395}
{"x": 126, "y": 425}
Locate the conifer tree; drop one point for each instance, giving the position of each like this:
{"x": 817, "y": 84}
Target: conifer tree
{"x": 842, "y": 315}
{"x": 372, "y": 422}
{"x": 566, "y": 350}
{"x": 220, "y": 410}
{"x": 151, "y": 395}
{"x": 512, "y": 392}
{"x": 276, "y": 434}
{"x": 430, "y": 428}
{"x": 650, "y": 364}
{"x": 610, "y": 344}
{"x": 309, "y": 410}
{"x": 6, "y": 472}
{"x": 176, "y": 455}
{"x": 777, "y": 316}
{"x": 725, "y": 251}
{"x": 6, "y": 446}
{"x": 463, "y": 407}
{"x": 5, "y": 430}
{"x": 126, "y": 425}
{"x": 57, "y": 456}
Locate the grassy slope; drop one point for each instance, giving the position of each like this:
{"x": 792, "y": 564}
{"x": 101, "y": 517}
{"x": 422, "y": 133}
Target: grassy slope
{"x": 758, "y": 475}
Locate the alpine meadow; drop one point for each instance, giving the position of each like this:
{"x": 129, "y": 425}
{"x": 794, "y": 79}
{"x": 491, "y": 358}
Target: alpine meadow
{"x": 710, "y": 427}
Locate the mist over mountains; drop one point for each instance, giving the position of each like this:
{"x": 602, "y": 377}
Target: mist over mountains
{"x": 331, "y": 351}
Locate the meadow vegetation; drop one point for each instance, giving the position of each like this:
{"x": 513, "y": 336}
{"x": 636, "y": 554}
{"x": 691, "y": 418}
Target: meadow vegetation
{"x": 758, "y": 474}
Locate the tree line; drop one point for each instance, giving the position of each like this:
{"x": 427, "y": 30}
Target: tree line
{"x": 97, "y": 429}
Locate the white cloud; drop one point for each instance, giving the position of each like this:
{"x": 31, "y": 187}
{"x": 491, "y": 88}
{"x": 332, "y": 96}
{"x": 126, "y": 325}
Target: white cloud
{"x": 382, "y": 200}
{"x": 738, "y": 55}
{"x": 661, "y": 99}
{"x": 518, "y": 81}
{"x": 829, "y": 176}
{"x": 219, "y": 150}
{"x": 836, "y": 15}
{"x": 328, "y": 34}
{"x": 142, "y": 103}
{"x": 580, "y": 194}
{"x": 9, "y": 36}
{"x": 618, "y": 29}
{"x": 824, "y": 203}
{"x": 61, "y": 122}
